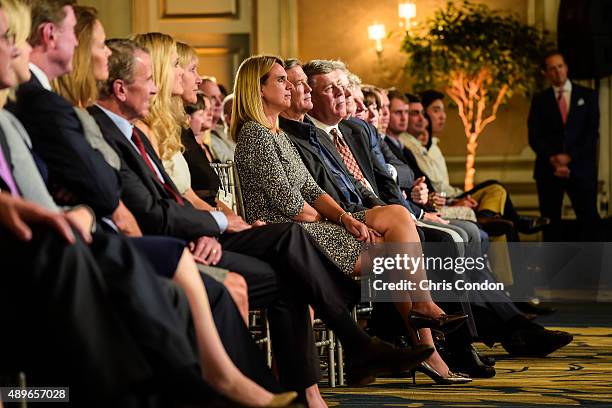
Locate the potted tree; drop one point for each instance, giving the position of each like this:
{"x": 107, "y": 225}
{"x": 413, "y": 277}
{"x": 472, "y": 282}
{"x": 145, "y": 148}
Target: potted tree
{"x": 480, "y": 57}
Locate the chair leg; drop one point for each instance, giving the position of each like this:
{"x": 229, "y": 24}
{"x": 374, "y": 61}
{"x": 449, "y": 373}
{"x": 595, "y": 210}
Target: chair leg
{"x": 21, "y": 379}
{"x": 268, "y": 342}
{"x": 340, "y": 354}
{"x": 331, "y": 357}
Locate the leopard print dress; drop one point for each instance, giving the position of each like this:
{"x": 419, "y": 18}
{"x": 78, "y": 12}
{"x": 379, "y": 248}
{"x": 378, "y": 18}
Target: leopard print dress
{"x": 276, "y": 183}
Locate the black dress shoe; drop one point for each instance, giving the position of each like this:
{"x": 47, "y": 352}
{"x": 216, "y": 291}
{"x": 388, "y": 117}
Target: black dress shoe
{"x": 380, "y": 358}
{"x": 531, "y": 225}
{"x": 535, "y": 342}
{"x": 486, "y": 360}
{"x": 495, "y": 225}
{"x": 532, "y": 307}
{"x": 466, "y": 359}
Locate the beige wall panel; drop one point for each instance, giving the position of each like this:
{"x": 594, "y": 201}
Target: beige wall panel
{"x": 338, "y": 29}
{"x": 116, "y": 16}
{"x": 221, "y": 30}
{"x": 148, "y": 15}
{"x": 219, "y": 63}
{"x": 208, "y": 8}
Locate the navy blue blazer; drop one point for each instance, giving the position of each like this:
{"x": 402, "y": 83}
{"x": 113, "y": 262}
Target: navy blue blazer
{"x": 58, "y": 139}
{"x": 578, "y": 138}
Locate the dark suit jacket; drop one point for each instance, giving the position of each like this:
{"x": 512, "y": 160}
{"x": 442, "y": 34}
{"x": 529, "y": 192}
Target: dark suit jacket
{"x": 156, "y": 211}
{"x": 383, "y": 184}
{"x": 58, "y": 139}
{"x": 405, "y": 176}
{"x": 299, "y": 133}
{"x": 406, "y": 156}
{"x": 204, "y": 181}
{"x": 578, "y": 137}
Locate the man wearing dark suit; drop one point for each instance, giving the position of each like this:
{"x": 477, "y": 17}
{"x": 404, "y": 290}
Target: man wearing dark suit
{"x": 82, "y": 172}
{"x": 305, "y": 275}
{"x": 502, "y": 320}
{"x": 125, "y": 334}
{"x": 563, "y": 131}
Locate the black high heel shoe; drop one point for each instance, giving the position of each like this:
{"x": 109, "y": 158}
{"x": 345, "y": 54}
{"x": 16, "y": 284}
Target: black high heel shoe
{"x": 452, "y": 378}
{"x": 445, "y": 323}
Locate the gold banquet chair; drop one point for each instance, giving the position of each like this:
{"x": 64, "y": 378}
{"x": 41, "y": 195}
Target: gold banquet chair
{"x": 230, "y": 193}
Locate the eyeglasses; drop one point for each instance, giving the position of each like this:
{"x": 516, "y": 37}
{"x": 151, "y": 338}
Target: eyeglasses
{"x": 9, "y": 37}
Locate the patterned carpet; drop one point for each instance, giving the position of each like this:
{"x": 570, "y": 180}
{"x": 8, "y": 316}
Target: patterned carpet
{"x": 579, "y": 374}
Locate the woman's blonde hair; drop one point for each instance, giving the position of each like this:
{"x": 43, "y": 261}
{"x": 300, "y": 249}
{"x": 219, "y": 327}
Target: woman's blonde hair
{"x": 186, "y": 54}
{"x": 19, "y": 23}
{"x": 248, "y": 104}
{"x": 166, "y": 114}
{"x": 80, "y": 86}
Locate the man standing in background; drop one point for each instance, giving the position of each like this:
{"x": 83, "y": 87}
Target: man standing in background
{"x": 563, "y": 131}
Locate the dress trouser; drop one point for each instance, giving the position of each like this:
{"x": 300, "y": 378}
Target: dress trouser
{"x": 164, "y": 254}
{"x": 305, "y": 276}
{"x": 583, "y": 195}
{"x": 235, "y": 336}
{"x": 504, "y": 207}
{"x": 94, "y": 318}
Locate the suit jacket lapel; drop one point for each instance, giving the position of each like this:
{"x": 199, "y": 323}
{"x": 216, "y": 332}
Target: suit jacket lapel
{"x": 153, "y": 156}
{"x": 114, "y": 136}
{"x": 576, "y": 95}
{"x": 396, "y": 150}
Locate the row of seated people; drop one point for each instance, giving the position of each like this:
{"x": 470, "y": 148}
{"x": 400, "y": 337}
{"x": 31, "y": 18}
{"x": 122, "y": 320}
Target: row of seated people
{"x": 140, "y": 280}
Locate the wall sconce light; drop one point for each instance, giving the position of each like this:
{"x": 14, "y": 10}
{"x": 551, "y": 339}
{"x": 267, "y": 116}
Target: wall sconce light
{"x": 407, "y": 12}
{"x": 376, "y": 32}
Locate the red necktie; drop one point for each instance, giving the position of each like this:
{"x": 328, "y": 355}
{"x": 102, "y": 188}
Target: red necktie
{"x": 562, "y": 105}
{"x": 347, "y": 157}
{"x": 143, "y": 153}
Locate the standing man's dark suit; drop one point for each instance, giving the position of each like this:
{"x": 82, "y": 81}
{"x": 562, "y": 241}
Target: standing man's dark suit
{"x": 578, "y": 138}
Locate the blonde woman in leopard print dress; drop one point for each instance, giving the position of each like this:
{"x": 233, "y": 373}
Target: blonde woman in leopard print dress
{"x": 278, "y": 188}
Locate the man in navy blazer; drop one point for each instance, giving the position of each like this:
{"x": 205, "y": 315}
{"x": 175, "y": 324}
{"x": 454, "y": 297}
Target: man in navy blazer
{"x": 563, "y": 131}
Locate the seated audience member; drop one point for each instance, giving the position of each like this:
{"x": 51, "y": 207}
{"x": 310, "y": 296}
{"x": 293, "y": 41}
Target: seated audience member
{"x": 360, "y": 108}
{"x": 163, "y": 125}
{"x": 222, "y": 145}
{"x": 286, "y": 246}
{"x": 204, "y": 183}
{"x": 278, "y": 188}
{"x": 204, "y": 180}
{"x": 433, "y": 103}
{"x": 217, "y": 367}
{"x": 372, "y": 101}
{"x": 490, "y": 200}
{"x": 310, "y": 142}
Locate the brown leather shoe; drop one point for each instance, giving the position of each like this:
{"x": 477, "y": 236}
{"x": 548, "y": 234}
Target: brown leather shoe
{"x": 496, "y": 225}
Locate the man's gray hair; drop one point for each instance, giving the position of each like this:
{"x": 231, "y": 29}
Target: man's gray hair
{"x": 354, "y": 80}
{"x": 318, "y": 67}
{"x": 121, "y": 64}
{"x": 292, "y": 63}
{"x": 341, "y": 65}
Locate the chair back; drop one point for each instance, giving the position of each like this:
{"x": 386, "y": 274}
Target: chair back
{"x": 230, "y": 192}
